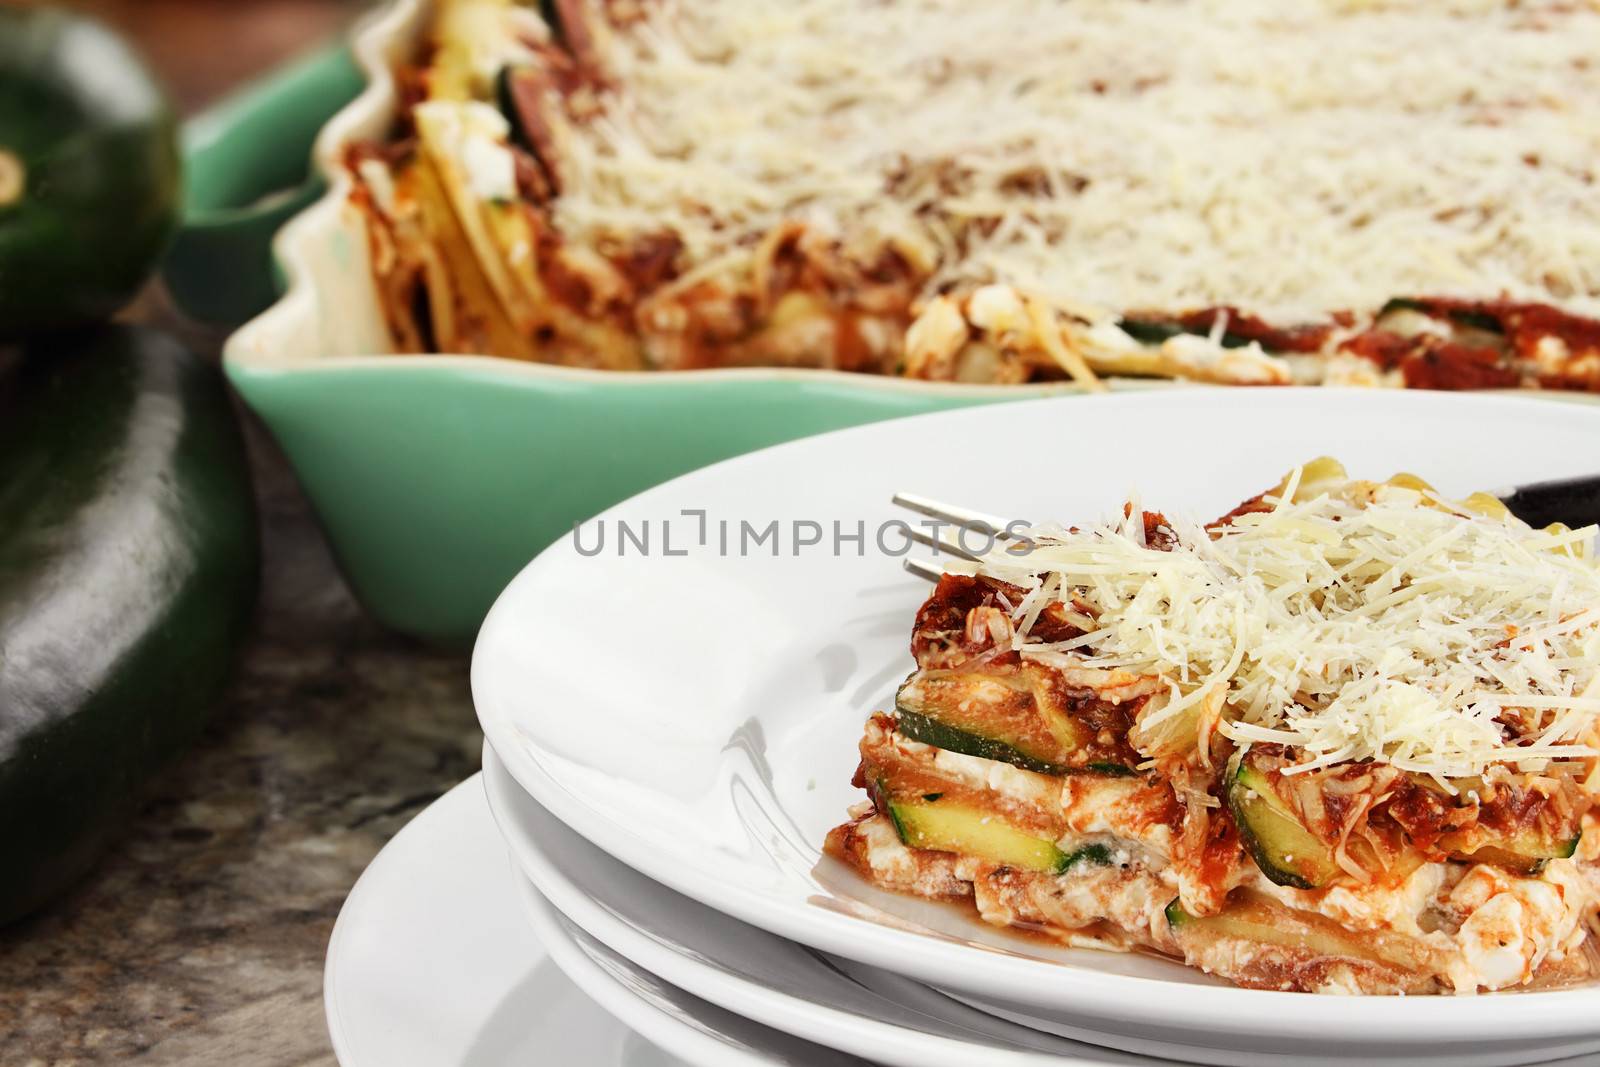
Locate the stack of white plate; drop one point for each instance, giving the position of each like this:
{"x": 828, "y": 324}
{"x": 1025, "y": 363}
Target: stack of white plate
{"x": 672, "y": 729}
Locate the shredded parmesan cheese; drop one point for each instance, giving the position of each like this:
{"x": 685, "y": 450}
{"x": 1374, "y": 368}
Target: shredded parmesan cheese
{"x": 1290, "y": 156}
{"x": 1359, "y": 623}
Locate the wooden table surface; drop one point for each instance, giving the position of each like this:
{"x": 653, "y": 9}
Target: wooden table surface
{"x": 200, "y": 938}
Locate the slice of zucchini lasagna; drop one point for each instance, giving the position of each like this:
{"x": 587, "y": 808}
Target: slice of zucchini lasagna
{"x": 1242, "y": 191}
{"x": 1342, "y": 740}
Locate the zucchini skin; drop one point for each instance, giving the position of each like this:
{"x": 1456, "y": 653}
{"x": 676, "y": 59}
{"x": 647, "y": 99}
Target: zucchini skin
{"x": 1154, "y": 332}
{"x": 925, "y": 720}
{"x": 1285, "y": 851}
{"x": 128, "y": 571}
{"x": 101, "y": 175}
{"x": 1477, "y": 320}
{"x": 931, "y": 731}
{"x": 1527, "y": 856}
{"x": 964, "y": 831}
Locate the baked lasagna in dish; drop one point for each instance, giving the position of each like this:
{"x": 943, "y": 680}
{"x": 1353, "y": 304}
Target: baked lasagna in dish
{"x": 1391, "y": 192}
{"x": 1345, "y": 739}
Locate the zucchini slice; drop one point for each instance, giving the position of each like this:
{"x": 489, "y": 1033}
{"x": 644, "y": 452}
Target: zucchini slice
{"x": 1258, "y": 922}
{"x": 1157, "y": 331}
{"x": 1287, "y": 853}
{"x": 996, "y": 717}
{"x": 1525, "y": 854}
{"x": 1469, "y": 318}
{"x": 945, "y": 826}
{"x": 980, "y": 714}
{"x": 931, "y": 731}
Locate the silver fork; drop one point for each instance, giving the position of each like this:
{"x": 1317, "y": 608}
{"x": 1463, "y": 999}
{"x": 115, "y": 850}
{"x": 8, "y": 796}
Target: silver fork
{"x": 990, "y": 526}
{"x": 1574, "y": 501}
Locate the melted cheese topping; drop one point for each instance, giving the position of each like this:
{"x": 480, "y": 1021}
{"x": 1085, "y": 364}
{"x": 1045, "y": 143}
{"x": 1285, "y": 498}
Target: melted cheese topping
{"x": 1293, "y": 156}
{"x": 1367, "y": 622}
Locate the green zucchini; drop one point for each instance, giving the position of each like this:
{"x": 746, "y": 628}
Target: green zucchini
{"x": 1291, "y": 855}
{"x": 1156, "y": 331}
{"x": 1258, "y": 924}
{"x": 1243, "y": 924}
{"x": 128, "y": 567}
{"x": 1150, "y": 331}
{"x": 998, "y": 718}
{"x": 1466, "y": 317}
{"x": 1285, "y": 851}
{"x": 1401, "y": 303}
{"x": 89, "y": 171}
{"x": 995, "y": 713}
{"x": 1526, "y": 854}
{"x": 931, "y": 731}
{"x": 946, "y": 826}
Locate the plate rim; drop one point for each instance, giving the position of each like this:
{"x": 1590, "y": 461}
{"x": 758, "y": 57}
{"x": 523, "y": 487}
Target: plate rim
{"x": 627, "y": 1008}
{"x": 373, "y": 880}
{"x": 541, "y": 869}
{"x": 450, "y": 810}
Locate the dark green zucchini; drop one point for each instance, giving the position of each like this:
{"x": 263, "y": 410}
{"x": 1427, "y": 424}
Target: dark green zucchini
{"x": 995, "y": 717}
{"x": 1263, "y": 927}
{"x": 1150, "y": 331}
{"x": 1468, "y": 317}
{"x": 931, "y": 731}
{"x": 1291, "y": 855}
{"x": 128, "y": 568}
{"x": 1401, "y": 303}
{"x": 945, "y": 826}
{"x": 89, "y": 171}
{"x": 1527, "y": 854}
{"x": 1287, "y": 852}
{"x": 1156, "y": 331}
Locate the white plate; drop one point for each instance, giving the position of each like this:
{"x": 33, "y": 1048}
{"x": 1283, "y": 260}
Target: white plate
{"x": 432, "y": 963}
{"x": 862, "y": 1010}
{"x": 702, "y": 1033}
{"x": 696, "y": 714}
{"x": 850, "y": 1006}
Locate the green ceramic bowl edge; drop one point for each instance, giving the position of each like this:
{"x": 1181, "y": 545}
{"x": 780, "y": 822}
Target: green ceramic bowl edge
{"x": 248, "y": 170}
{"x": 437, "y": 484}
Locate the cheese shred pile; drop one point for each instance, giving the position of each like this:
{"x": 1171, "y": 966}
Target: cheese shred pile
{"x": 1291, "y": 156}
{"x": 1368, "y": 622}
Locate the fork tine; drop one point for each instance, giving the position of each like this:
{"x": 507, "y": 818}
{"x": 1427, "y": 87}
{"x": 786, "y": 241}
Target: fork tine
{"x": 977, "y": 521}
{"x": 923, "y": 568}
{"x": 941, "y": 545}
